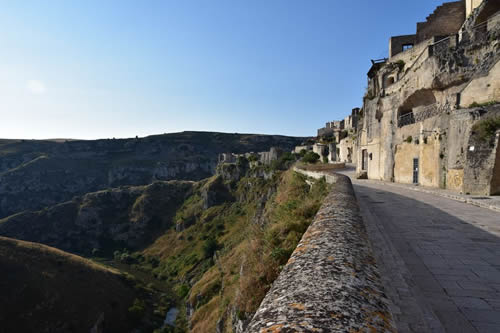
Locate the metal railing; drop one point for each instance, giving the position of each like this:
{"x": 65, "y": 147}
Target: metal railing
{"x": 420, "y": 115}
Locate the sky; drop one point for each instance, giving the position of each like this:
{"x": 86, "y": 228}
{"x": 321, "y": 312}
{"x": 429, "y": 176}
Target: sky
{"x": 101, "y": 69}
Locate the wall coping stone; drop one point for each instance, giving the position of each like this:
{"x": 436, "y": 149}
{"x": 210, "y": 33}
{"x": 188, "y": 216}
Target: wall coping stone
{"x": 331, "y": 282}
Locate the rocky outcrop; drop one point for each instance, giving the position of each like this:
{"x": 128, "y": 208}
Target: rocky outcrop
{"x": 331, "y": 282}
{"x": 37, "y": 174}
{"x": 104, "y": 221}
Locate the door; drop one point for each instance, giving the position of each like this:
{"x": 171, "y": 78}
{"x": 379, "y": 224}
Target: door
{"x": 415, "y": 171}
{"x": 364, "y": 160}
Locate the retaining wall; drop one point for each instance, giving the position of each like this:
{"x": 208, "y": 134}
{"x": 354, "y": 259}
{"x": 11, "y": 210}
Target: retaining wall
{"x": 331, "y": 282}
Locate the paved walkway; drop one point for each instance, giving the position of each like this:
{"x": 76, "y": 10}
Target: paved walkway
{"x": 439, "y": 258}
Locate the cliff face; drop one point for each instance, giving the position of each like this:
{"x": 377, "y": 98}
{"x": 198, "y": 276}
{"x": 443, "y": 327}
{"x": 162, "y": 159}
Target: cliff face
{"x": 37, "y": 174}
{"x": 105, "y": 221}
{"x": 219, "y": 242}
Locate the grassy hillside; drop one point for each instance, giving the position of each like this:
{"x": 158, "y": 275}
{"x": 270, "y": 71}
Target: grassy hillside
{"x": 36, "y": 174}
{"x": 225, "y": 260}
{"x": 211, "y": 248}
{"x": 47, "y": 290}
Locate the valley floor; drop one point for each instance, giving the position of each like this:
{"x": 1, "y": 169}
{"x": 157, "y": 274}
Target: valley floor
{"x": 439, "y": 258}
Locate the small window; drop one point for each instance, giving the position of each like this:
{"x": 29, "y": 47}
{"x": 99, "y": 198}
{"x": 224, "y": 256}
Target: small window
{"x": 407, "y": 47}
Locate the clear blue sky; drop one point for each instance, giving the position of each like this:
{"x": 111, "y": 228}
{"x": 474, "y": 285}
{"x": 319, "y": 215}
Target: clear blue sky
{"x": 98, "y": 69}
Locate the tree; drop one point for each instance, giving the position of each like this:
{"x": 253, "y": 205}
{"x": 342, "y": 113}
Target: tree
{"x": 209, "y": 247}
{"x": 310, "y": 157}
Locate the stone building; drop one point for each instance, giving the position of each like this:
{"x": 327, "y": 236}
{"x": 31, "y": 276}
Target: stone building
{"x": 269, "y": 156}
{"x": 320, "y": 149}
{"x": 227, "y": 158}
{"x": 351, "y": 121}
{"x": 331, "y": 129}
{"x": 348, "y": 150}
{"x": 424, "y": 104}
{"x": 298, "y": 149}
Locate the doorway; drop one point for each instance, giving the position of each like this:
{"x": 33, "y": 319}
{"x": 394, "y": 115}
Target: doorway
{"x": 415, "y": 171}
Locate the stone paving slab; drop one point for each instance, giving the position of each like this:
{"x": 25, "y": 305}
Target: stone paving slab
{"x": 489, "y": 202}
{"x": 445, "y": 252}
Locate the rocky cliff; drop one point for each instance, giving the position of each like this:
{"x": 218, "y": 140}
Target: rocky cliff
{"x": 37, "y": 174}
{"x": 103, "y": 221}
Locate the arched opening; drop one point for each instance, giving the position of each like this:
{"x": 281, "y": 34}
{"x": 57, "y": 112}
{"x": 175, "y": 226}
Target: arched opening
{"x": 408, "y": 112}
{"x": 388, "y": 80}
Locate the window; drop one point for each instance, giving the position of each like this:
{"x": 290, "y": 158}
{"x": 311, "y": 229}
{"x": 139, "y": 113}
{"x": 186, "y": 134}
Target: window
{"x": 407, "y": 47}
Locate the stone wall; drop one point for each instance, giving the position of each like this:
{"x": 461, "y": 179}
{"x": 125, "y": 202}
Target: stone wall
{"x": 435, "y": 85}
{"x": 348, "y": 149}
{"x": 331, "y": 282}
{"x": 447, "y": 19}
{"x": 396, "y": 43}
{"x": 495, "y": 178}
{"x": 481, "y": 171}
{"x": 483, "y": 89}
{"x": 298, "y": 149}
{"x": 470, "y": 5}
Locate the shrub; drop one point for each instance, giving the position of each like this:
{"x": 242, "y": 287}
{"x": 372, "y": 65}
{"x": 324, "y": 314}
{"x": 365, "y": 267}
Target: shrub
{"x": 310, "y": 157}
{"x": 253, "y": 158}
{"x": 183, "y": 290}
{"x": 242, "y": 161}
{"x": 136, "y": 311}
{"x": 485, "y": 129}
{"x": 409, "y": 139}
{"x": 209, "y": 247}
{"x": 401, "y": 64}
{"x": 283, "y": 162}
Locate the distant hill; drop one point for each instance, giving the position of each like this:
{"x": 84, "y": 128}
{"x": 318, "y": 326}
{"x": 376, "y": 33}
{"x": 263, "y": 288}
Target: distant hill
{"x": 103, "y": 221}
{"x": 38, "y": 173}
{"x": 47, "y": 290}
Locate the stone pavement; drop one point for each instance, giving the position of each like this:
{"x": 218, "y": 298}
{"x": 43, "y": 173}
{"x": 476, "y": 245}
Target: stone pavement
{"x": 439, "y": 258}
{"x": 490, "y": 202}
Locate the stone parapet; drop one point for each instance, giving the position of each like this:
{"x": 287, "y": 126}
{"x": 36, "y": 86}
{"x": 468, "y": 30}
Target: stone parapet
{"x": 331, "y": 282}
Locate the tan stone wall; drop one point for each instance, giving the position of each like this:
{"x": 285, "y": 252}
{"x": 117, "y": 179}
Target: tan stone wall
{"x": 483, "y": 89}
{"x": 470, "y": 5}
{"x": 455, "y": 180}
{"x": 403, "y": 168}
{"x": 429, "y": 162}
{"x": 347, "y": 150}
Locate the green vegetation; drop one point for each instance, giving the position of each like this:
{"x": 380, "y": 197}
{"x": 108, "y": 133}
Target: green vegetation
{"x": 327, "y": 140}
{"x": 477, "y": 105}
{"x": 202, "y": 262}
{"x": 284, "y": 162}
{"x": 188, "y": 242}
{"x": 409, "y": 139}
{"x": 485, "y": 129}
{"x": 310, "y": 157}
{"x": 401, "y": 64}
{"x": 137, "y": 310}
